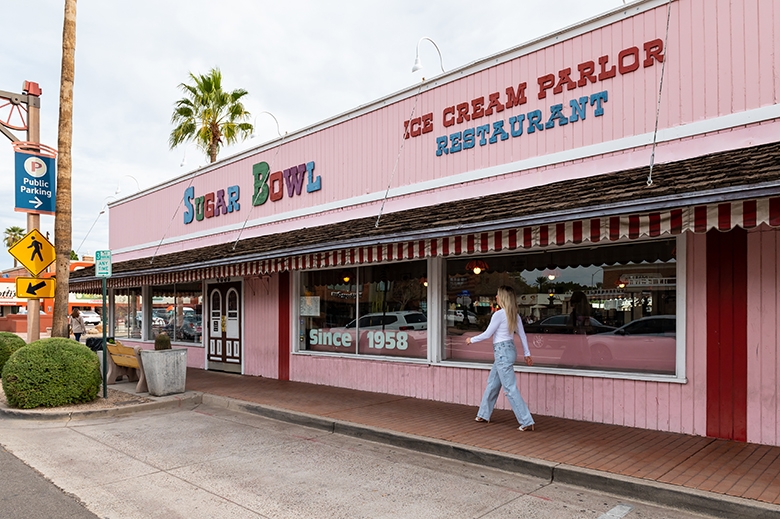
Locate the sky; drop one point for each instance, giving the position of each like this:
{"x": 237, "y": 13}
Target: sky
{"x": 303, "y": 61}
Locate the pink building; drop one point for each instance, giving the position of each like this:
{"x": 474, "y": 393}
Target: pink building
{"x": 361, "y": 252}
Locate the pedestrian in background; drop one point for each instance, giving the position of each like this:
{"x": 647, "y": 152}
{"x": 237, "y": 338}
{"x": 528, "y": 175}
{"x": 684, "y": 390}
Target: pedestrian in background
{"x": 77, "y": 324}
{"x": 503, "y": 325}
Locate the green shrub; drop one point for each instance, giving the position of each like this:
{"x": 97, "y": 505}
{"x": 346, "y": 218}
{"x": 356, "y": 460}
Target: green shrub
{"x": 162, "y": 342}
{"x": 9, "y": 343}
{"x": 51, "y": 373}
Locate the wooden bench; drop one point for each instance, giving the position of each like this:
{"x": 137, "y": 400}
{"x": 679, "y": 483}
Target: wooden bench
{"x": 124, "y": 361}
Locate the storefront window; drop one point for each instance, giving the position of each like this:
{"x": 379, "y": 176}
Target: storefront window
{"x": 607, "y": 308}
{"x": 128, "y": 322}
{"x": 375, "y": 310}
{"x": 178, "y": 311}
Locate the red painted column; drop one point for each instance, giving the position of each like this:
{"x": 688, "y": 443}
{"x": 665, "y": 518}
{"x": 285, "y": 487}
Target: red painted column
{"x": 284, "y": 326}
{"x": 727, "y": 334}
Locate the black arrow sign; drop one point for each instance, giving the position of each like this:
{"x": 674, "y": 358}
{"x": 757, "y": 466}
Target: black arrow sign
{"x": 32, "y": 289}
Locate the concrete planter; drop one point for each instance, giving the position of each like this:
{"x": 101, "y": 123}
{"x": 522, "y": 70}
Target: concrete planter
{"x": 165, "y": 370}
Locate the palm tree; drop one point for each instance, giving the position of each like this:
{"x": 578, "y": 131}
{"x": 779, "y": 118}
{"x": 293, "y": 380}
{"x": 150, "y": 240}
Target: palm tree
{"x": 12, "y": 236}
{"x": 63, "y": 211}
{"x": 209, "y": 116}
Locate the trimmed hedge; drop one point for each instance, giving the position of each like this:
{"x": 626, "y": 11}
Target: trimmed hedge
{"x": 9, "y": 343}
{"x": 51, "y": 373}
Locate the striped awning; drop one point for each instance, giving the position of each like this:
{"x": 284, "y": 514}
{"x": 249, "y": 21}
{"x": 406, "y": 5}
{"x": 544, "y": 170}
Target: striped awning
{"x": 699, "y": 219}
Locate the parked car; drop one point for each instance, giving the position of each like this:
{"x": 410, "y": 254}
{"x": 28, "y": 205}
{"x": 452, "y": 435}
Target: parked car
{"x": 456, "y": 317}
{"x": 190, "y": 330}
{"x": 156, "y": 320}
{"x": 90, "y": 318}
{"x": 401, "y": 320}
{"x": 561, "y": 324}
{"x": 647, "y": 344}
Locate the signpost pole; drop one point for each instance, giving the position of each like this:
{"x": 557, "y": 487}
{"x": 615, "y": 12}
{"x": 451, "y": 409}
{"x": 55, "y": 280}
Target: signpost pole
{"x": 105, "y": 356}
{"x": 33, "y": 219}
{"x": 103, "y": 271}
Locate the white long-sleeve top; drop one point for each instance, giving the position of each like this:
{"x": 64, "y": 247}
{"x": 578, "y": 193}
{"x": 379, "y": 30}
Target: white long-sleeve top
{"x": 499, "y": 329}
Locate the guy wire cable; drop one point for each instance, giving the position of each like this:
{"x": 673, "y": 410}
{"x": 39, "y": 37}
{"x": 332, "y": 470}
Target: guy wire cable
{"x": 151, "y": 261}
{"x": 398, "y": 157}
{"x": 660, "y": 89}
{"x": 248, "y": 214}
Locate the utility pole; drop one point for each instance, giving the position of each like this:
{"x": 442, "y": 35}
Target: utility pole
{"x": 28, "y": 101}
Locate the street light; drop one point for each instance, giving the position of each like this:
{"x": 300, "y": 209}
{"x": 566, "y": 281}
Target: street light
{"x": 255, "y": 121}
{"x": 417, "y": 64}
{"x": 137, "y": 185}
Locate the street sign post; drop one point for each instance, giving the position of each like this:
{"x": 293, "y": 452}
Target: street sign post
{"x": 34, "y": 252}
{"x": 35, "y": 288}
{"x": 103, "y": 270}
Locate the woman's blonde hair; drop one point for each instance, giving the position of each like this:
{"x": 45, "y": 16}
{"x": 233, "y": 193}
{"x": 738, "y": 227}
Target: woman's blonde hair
{"x": 508, "y": 301}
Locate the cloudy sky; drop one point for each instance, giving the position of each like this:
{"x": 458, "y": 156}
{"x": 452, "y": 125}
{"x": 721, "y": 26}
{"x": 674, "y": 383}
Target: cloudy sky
{"x": 302, "y": 60}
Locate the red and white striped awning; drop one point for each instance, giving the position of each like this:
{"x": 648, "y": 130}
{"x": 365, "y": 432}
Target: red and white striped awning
{"x": 699, "y": 219}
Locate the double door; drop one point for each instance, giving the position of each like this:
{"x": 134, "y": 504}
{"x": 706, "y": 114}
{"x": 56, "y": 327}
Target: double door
{"x": 224, "y": 326}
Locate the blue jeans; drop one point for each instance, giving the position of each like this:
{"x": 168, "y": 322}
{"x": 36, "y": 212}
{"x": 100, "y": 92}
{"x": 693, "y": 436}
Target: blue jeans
{"x": 503, "y": 374}
{"x": 78, "y": 336}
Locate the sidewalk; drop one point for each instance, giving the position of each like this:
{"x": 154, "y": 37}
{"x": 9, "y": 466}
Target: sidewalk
{"x": 716, "y": 477}
{"x": 719, "y": 477}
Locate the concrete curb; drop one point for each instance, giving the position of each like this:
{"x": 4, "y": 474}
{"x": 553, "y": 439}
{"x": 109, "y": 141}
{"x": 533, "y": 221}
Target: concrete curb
{"x": 710, "y": 503}
{"x": 187, "y": 400}
{"x": 690, "y": 499}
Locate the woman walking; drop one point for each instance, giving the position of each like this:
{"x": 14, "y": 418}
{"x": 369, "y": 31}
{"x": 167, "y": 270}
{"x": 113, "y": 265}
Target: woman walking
{"x": 503, "y": 325}
{"x": 77, "y": 324}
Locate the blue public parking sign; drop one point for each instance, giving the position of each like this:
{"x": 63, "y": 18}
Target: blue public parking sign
{"x": 35, "y": 190}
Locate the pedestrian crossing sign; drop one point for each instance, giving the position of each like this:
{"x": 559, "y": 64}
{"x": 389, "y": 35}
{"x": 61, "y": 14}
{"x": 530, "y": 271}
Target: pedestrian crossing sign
{"x": 34, "y": 252}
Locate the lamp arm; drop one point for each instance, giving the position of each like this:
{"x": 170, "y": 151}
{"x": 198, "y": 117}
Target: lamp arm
{"x": 417, "y": 54}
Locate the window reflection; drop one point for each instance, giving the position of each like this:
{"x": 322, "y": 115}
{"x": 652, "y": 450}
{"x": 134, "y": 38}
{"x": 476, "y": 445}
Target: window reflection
{"x": 128, "y": 322}
{"x": 177, "y": 310}
{"x": 597, "y": 308}
{"x": 374, "y": 310}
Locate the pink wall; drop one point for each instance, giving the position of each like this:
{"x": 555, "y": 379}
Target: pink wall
{"x": 261, "y": 327}
{"x": 763, "y": 408}
{"x": 720, "y": 59}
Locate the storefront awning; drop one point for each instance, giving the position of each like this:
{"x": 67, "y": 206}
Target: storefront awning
{"x": 724, "y": 216}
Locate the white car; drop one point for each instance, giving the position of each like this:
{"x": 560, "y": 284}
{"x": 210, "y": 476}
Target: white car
{"x": 90, "y": 318}
{"x": 401, "y": 320}
{"x": 458, "y": 317}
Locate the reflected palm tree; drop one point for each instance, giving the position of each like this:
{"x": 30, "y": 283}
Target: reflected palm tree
{"x": 12, "y": 236}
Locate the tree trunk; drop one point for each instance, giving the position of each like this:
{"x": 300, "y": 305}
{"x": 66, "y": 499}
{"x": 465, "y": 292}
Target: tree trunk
{"x": 63, "y": 211}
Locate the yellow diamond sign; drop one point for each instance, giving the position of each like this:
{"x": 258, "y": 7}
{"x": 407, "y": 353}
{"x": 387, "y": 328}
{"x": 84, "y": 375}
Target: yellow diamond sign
{"x": 35, "y": 288}
{"x": 34, "y": 252}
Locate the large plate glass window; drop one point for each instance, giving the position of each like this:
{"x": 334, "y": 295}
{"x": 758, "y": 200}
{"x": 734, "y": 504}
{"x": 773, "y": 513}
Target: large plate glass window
{"x": 178, "y": 311}
{"x": 374, "y": 310}
{"x": 128, "y": 318}
{"x": 607, "y": 308}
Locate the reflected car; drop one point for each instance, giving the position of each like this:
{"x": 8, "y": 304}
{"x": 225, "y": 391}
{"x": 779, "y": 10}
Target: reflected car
{"x": 401, "y": 320}
{"x": 561, "y": 324}
{"x": 156, "y": 320}
{"x": 91, "y": 318}
{"x": 456, "y": 317}
{"x": 646, "y": 344}
{"x": 191, "y": 329}
{"x": 400, "y": 333}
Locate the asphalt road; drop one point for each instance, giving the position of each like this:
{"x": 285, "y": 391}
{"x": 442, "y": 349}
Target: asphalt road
{"x": 212, "y": 462}
{"x": 24, "y": 493}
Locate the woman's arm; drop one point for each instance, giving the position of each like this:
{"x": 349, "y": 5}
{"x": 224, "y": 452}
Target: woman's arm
{"x": 495, "y": 320}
